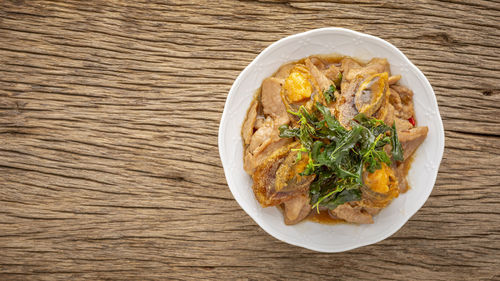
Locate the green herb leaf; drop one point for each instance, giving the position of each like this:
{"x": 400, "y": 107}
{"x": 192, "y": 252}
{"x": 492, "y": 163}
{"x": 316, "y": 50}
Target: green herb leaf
{"x": 332, "y": 123}
{"x": 286, "y": 132}
{"x": 397, "y": 150}
{"x": 337, "y": 156}
{"x": 329, "y": 94}
{"x": 346, "y": 195}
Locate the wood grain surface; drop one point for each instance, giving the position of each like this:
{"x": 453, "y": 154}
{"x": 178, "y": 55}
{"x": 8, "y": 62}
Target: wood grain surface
{"x": 109, "y": 166}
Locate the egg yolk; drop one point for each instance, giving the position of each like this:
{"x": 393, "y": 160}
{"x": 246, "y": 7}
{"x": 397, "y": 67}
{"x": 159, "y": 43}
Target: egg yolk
{"x": 297, "y": 86}
{"x": 378, "y": 181}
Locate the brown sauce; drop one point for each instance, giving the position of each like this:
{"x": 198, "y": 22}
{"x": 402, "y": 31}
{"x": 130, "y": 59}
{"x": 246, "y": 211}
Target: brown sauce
{"x": 323, "y": 217}
{"x": 407, "y": 167}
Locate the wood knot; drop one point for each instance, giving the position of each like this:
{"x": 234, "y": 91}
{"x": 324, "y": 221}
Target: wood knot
{"x": 490, "y": 92}
{"x": 442, "y": 37}
{"x": 176, "y": 178}
{"x": 19, "y": 105}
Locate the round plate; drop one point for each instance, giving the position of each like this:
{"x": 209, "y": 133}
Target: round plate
{"x": 421, "y": 177}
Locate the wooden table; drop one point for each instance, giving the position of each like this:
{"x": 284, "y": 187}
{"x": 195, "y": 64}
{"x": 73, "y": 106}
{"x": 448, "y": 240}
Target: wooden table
{"x": 109, "y": 114}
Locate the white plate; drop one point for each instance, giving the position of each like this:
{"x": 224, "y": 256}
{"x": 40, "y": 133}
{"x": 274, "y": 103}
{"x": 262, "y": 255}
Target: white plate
{"x": 315, "y": 236}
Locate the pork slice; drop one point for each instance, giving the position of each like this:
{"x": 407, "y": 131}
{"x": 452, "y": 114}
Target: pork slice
{"x": 296, "y": 209}
{"x": 284, "y": 71}
{"x": 346, "y": 109}
{"x": 248, "y": 125}
{"x": 395, "y": 99}
{"x": 376, "y": 65}
{"x": 271, "y": 100}
{"x": 400, "y": 111}
{"x": 322, "y": 83}
{"x": 352, "y": 214}
{"x": 259, "y": 122}
{"x": 380, "y": 65}
{"x": 402, "y": 124}
{"x": 349, "y": 69}
{"x": 404, "y": 109}
{"x": 372, "y": 210}
{"x": 410, "y": 140}
{"x": 252, "y": 161}
{"x": 263, "y": 136}
{"x": 394, "y": 79}
{"x": 403, "y": 92}
{"x": 332, "y": 73}
{"x": 399, "y": 172}
{"x": 386, "y": 113}
{"x": 318, "y": 63}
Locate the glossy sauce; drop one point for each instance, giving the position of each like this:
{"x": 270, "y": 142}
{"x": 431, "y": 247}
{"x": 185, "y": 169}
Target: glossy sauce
{"x": 407, "y": 168}
{"x": 323, "y": 217}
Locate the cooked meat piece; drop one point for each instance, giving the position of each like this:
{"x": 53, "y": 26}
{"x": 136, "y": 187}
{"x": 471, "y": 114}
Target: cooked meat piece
{"x": 404, "y": 107}
{"x": 349, "y": 69}
{"x": 320, "y": 81}
{"x": 265, "y": 176}
{"x": 346, "y": 108}
{"x": 252, "y": 161}
{"x": 263, "y": 143}
{"x": 248, "y": 125}
{"x": 318, "y": 63}
{"x": 402, "y": 125}
{"x": 332, "y": 73}
{"x": 377, "y": 65}
{"x": 404, "y": 92}
{"x": 399, "y": 172}
{"x": 374, "y": 66}
{"x": 265, "y": 140}
{"x": 296, "y": 209}
{"x": 394, "y": 79}
{"x": 372, "y": 210}
{"x": 411, "y": 140}
{"x": 284, "y": 71}
{"x": 265, "y": 135}
{"x": 278, "y": 179}
{"x": 352, "y": 214}
{"x": 386, "y": 114}
{"x": 259, "y": 122}
{"x": 271, "y": 100}
{"x": 395, "y": 99}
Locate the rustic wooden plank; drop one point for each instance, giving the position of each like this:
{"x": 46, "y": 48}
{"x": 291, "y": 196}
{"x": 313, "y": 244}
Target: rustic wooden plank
{"x": 109, "y": 167}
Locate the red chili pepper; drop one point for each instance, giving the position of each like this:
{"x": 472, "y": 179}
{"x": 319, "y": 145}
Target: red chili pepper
{"x": 412, "y": 121}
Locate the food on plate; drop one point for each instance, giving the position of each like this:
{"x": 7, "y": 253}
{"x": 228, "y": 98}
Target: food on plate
{"x": 331, "y": 139}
